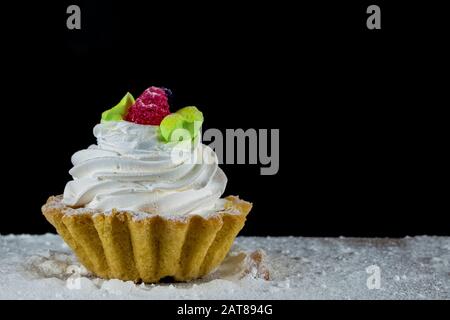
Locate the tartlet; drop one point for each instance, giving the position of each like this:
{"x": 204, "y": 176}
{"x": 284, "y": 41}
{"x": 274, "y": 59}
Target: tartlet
{"x": 133, "y": 211}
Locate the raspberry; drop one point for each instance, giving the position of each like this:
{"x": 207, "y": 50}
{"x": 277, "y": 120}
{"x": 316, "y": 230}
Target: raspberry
{"x": 150, "y": 108}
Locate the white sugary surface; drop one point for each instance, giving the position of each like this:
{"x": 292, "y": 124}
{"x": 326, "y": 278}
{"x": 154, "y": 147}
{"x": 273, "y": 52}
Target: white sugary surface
{"x": 43, "y": 267}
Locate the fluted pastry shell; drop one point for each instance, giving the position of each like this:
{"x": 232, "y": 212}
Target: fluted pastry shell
{"x": 147, "y": 247}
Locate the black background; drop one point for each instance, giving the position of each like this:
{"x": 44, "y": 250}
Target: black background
{"x": 360, "y": 112}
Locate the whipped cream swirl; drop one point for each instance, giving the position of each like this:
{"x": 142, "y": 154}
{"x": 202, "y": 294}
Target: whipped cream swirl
{"x": 131, "y": 169}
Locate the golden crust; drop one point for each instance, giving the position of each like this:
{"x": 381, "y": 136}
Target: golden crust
{"x": 119, "y": 245}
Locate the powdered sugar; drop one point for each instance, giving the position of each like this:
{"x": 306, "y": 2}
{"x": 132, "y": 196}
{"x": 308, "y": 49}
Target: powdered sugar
{"x": 43, "y": 267}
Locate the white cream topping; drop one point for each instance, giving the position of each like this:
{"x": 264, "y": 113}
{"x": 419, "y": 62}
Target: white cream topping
{"x": 131, "y": 169}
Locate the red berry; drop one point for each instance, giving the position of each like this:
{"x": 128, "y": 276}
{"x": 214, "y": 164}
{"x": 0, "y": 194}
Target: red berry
{"x": 150, "y": 108}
